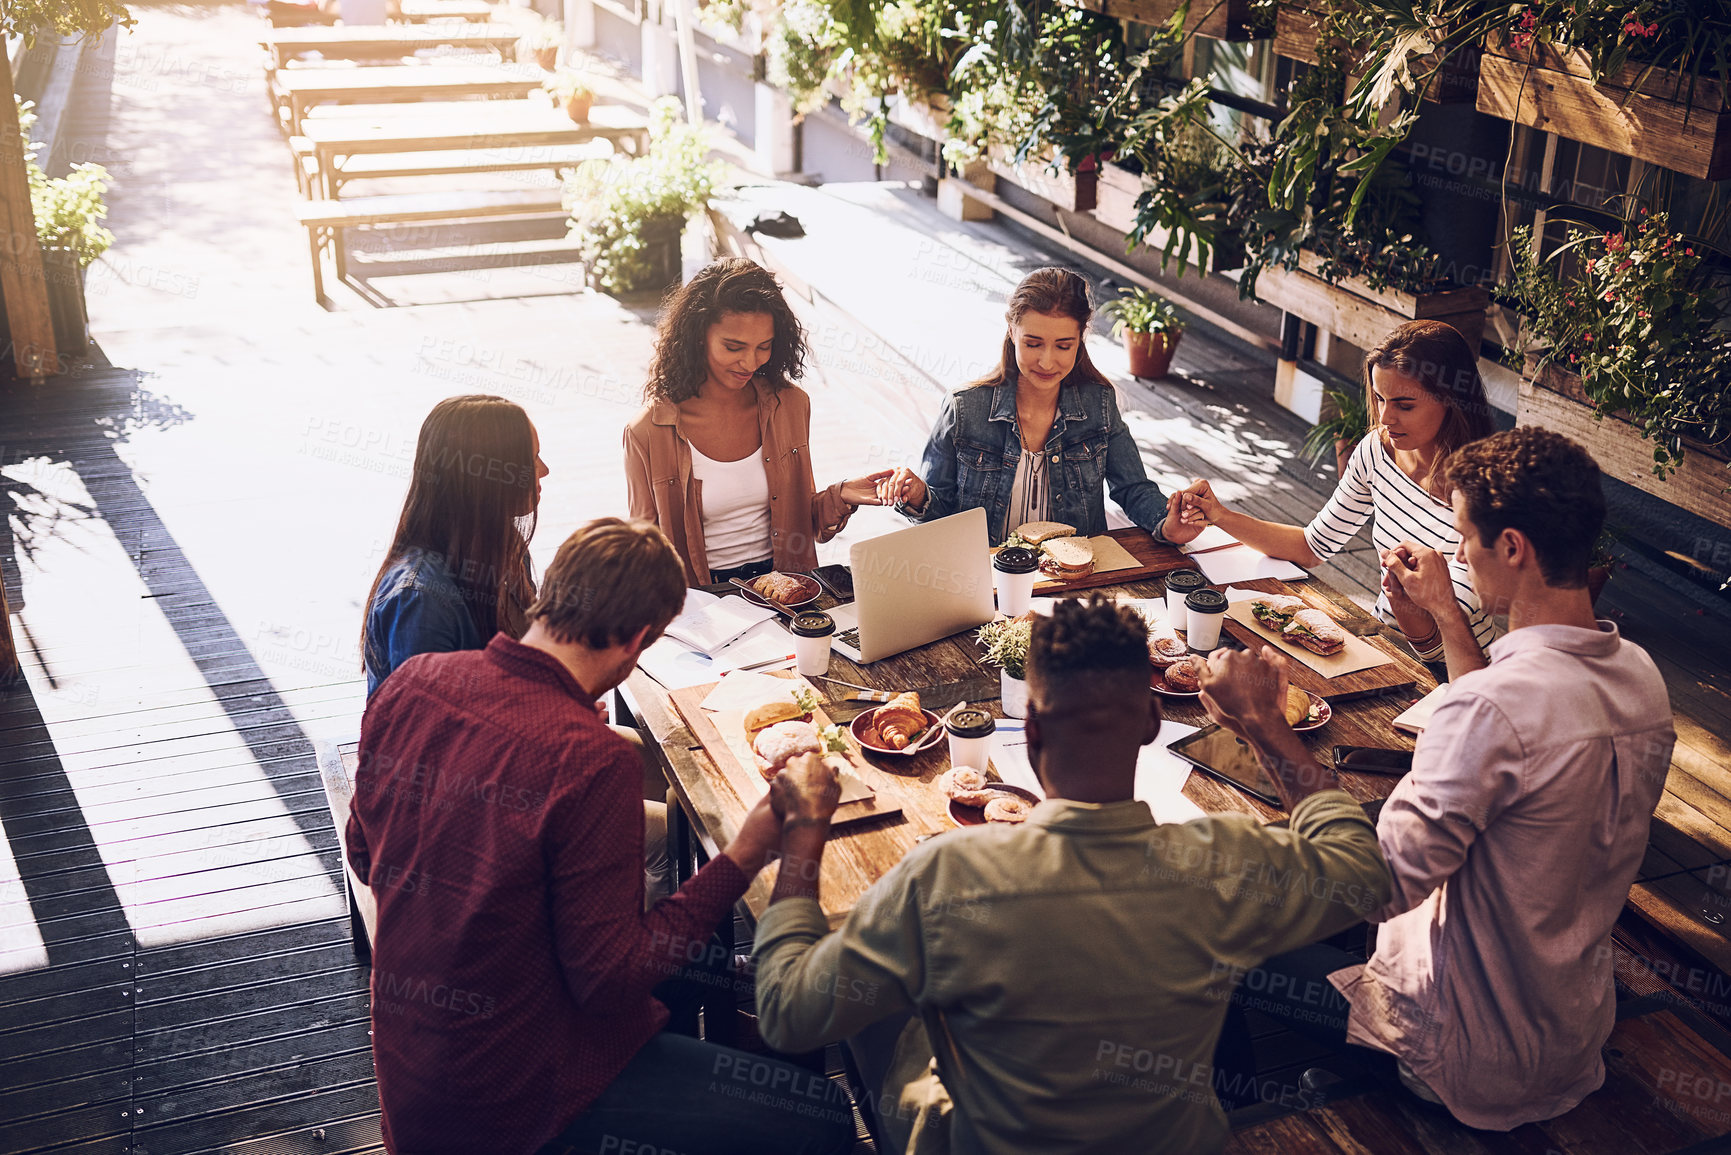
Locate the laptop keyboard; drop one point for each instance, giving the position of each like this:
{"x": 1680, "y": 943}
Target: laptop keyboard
{"x": 849, "y": 638}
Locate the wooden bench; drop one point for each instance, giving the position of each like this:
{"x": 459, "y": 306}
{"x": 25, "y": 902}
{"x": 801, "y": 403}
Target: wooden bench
{"x": 326, "y": 220}
{"x": 457, "y": 162}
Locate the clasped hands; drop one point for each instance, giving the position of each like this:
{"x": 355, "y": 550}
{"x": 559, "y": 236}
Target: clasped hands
{"x": 804, "y": 794}
{"x": 1417, "y": 577}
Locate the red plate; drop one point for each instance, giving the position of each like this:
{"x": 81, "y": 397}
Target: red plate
{"x": 976, "y": 815}
{"x": 1158, "y": 681}
{"x": 809, "y": 591}
{"x": 933, "y": 735}
{"x": 1323, "y": 712}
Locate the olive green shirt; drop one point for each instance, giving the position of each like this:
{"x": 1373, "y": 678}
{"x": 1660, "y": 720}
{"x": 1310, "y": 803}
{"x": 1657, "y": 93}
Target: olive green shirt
{"x": 1072, "y": 973}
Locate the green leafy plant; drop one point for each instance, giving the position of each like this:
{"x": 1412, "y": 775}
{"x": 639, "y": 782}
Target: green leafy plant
{"x": 1345, "y": 421}
{"x": 1137, "y": 310}
{"x": 1006, "y": 645}
{"x": 615, "y": 201}
{"x": 541, "y": 35}
{"x": 566, "y": 83}
{"x": 1645, "y": 322}
{"x": 30, "y": 18}
{"x": 68, "y": 209}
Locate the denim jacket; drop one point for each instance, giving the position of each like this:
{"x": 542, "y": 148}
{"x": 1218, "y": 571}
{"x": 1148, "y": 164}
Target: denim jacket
{"x": 418, "y": 609}
{"x": 971, "y": 458}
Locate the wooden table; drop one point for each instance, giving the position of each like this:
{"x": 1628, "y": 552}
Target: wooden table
{"x": 298, "y": 89}
{"x": 948, "y": 671}
{"x": 420, "y": 11}
{"x": 384, "y": 41}
{"x": 495, "y": 125}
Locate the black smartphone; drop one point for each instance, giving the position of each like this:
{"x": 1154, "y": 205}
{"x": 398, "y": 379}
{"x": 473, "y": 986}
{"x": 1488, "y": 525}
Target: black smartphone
{"x": 1372, "y": 760}
{"x": 838, "y": 578}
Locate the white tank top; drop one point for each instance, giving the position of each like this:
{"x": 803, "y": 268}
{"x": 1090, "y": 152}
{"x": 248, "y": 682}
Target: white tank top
{"x": 735, "y": 508}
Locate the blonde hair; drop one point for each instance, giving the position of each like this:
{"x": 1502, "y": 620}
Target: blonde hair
{"x": 610, "y": 579}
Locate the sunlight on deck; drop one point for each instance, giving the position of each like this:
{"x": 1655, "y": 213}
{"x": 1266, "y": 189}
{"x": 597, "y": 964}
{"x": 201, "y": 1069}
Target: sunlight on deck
{"x": 21, "y": 946}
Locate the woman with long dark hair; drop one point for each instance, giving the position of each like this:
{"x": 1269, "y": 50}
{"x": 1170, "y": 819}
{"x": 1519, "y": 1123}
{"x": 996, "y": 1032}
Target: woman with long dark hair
{"x": 719, "y": 460}
{"x": 457, "y": 570}
{"x": 1039, "y": 438}
{"x": 1422, "y": 387}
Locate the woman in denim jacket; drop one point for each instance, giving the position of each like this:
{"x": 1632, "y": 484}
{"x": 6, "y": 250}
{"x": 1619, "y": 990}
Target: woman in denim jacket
{"x": 1040, "y": 438}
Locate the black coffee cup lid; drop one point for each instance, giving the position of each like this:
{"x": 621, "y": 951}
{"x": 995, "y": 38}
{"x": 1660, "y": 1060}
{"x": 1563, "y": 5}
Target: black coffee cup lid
{"x": 1017, "y": 559}
{"x": 813, "y": 624}
{"x": 1185, "y": 579}
{"x": 971, "y": 723}
{"x": 1206, "y": 601}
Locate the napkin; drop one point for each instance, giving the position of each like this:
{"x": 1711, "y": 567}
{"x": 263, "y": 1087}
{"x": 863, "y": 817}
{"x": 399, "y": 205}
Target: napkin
{"x": 741, "y": 690}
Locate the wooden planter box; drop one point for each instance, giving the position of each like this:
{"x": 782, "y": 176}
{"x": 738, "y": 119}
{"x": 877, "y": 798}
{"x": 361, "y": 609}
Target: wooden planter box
{"x": 1655, "y": 122}
{"x": 1363, "y": 316}
{"x": 1115, "y": 193}
{"x": 1216, "y": 19}
{"x": 1555, "y": 400}
{"x": 1298, "y": 30}
{"x": 928, "y": 118}
{"x": 1072, "y": 191}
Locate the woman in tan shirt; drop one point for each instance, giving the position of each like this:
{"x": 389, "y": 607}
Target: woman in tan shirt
{"x": 724, "y": 418}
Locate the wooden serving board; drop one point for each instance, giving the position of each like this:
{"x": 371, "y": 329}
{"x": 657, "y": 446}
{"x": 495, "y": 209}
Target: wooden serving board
{"x": 1399, "y": 670}
{"x": 747, "y": 783}
{"x": 1152, "y": 559}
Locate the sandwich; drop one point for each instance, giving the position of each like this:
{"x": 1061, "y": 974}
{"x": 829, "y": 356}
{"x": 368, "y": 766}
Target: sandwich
{"x": 1067, "y": 558}
{"x": 1315, "y": 631}
{"x": 777, "y": 745}
{"x": 1184, "y": 675}
{"x": 774, "y": 712}
{"x": 1038, "y": 533}
{"x": 1275, "y": 610}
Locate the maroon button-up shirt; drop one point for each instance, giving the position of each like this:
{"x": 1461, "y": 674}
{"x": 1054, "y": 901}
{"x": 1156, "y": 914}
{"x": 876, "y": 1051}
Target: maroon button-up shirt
{"x": 498, "y": 821}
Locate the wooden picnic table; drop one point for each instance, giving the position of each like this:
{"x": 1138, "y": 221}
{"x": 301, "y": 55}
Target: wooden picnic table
{"x": 299, "y": 89}
{"x": 948, "y": 671}
{"x": 493, "y": 125}
{"x": 420, "y": 11}
{"x": 376, "y": 41}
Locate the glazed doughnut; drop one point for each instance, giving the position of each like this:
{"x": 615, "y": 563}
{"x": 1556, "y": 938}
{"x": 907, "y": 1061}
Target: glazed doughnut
{"x": 1008, "y": 808}
{"x": 966, "y": 785}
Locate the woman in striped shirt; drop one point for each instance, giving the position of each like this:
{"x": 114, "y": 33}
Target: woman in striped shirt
{"x": 1423, "y": 389}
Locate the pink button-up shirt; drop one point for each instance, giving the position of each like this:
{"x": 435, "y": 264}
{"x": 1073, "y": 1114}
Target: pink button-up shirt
{"x": 1513, "y": 843}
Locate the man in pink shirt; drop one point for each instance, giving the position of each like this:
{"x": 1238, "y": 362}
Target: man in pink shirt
{"x": 1516, "y": 836}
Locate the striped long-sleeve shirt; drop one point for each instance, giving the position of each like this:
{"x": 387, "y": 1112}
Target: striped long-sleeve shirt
{"x": 1399, "y": 509}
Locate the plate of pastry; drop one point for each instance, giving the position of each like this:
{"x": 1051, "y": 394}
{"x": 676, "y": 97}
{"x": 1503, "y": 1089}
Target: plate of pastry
{"x": 783, "y": 589}
{"x": 899, "y": 726}
{"x": 1180, "y": 678}
{"x": 1305, "y": 710}
{"x": 975, "y": 800}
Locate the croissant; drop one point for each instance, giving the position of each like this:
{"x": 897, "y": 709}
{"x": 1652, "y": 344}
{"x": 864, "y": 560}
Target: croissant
{"x": 900, "y": 720}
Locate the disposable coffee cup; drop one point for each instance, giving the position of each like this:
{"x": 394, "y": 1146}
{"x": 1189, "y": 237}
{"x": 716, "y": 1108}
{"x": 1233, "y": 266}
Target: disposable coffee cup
{"x": 1180, "y": 584}
{"x": 812, "y": 632}
{"x": 970, "y": 733}
{"x": 1204, "y": 610}
{"x": 1014, "y": 572}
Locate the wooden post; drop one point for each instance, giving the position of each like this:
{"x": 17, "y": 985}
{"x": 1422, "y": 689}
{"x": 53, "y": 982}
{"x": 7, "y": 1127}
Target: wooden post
{"x": 8, "y": 648}
{"x": 21, "y": 279}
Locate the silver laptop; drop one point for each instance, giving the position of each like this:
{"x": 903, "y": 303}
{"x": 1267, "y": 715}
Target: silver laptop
{"x": 915, "y": 586}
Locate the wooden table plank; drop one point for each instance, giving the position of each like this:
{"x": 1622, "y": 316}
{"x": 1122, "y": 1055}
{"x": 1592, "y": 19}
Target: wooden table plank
{"x": 303, "y": 88}
{"x": 361, "y": 42}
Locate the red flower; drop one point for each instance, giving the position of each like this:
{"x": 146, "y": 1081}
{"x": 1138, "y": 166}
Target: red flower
{"x": 1688, "y": 252}
{"x": 1610, "y": 294}
{"x": 1625, "y": 266}
{"x": 1590, "y": 263}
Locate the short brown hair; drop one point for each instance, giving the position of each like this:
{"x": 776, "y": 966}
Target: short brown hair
{"x": 1084, "y": 641}
{"x": 1540, "y": 483}
{"x": 610, "y": 579}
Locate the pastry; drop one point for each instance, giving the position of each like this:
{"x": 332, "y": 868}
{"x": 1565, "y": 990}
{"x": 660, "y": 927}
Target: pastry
{"x": 900, "y": 721}
{"x": 1166, "y": 647}
{"x": 1298, "y": 706}
{"x": 1008, "y": 808}
{"x": 1184, "y": 675}
{"x": 1315, "y": 631}
{"x": 1275, "y": 610}
{"x": 1035, "y": 533}
{"x": 966, "y": 785}
{"x": 781, "y": 743}
{"x": 769, "y": 713}
{"x": 779, "y": 588}
{"x": 1068, "y": 558}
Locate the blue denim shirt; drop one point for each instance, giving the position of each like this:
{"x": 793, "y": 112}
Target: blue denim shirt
{"x": 419, "y": 609}
{"x": 971, "y": 457}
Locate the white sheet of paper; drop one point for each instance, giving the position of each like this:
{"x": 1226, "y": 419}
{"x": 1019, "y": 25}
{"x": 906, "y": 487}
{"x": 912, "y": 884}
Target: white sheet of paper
{"x": 1234, "y": 594}
{"x": 708, "y": 623}
{"x": 676, "y": 665}
{"x": 742, "y": 689}
{"x": 1242, "y": 564}
{"x": 765, "y": 646}
{"x": 1010, "y": 756}
{"x": 1160, "y": 774}
{"x": 1212, "y": 537}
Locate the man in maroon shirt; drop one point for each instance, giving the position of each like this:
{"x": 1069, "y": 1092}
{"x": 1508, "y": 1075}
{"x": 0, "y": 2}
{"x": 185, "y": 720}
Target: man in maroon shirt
{"x": 497, "y": 820}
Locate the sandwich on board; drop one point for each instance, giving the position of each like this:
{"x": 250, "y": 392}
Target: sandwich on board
{"x": 1065, "y": 557}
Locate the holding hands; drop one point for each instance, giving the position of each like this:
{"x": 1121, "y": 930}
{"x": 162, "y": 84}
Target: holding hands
{"x": 1419, "y": 577}
{"x": 806, "y": 792}
{"x": 866, "y": 490}
{"x": 901, "y": 484}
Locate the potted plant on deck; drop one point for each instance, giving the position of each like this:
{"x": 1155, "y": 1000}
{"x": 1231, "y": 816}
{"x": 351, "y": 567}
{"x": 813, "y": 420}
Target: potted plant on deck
{"x": 1344, "y": 424}
{"x": 541, "y": 44}
{"x": 570, "y": 90}
{"x": 1150, "y": 328}
{"x": 68, "y": 212}
{"x": 1006, "y": 646}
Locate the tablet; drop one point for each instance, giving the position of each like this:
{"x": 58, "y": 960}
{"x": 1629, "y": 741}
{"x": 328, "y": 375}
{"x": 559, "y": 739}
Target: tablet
{"x": 1225, "y": 755}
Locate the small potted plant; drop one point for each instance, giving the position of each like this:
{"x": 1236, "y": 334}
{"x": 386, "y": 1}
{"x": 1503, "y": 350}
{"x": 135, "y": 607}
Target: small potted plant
{"x": 1149, "y": 327}
{"x": 1601, "y": 564}
{"x": 68, "y": 212}
{"x": 1344, "y": 424}
{"x": 541, "y": 44}
{"x": 1006, "y": 647}
{"x": 572, "y": 93}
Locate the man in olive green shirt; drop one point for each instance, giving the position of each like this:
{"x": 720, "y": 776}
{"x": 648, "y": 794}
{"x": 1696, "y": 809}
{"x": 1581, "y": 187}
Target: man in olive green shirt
{"x": 1068, "y": 977}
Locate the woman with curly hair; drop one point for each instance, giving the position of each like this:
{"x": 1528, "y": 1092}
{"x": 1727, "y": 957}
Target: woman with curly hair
{"x": 719, "y": 460}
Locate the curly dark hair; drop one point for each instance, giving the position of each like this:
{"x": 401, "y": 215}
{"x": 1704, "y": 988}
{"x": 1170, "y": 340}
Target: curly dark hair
{"x": 1538, "y": 482}
{"x": 1085, "y": 638}
{"x": 731, "y": 285}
